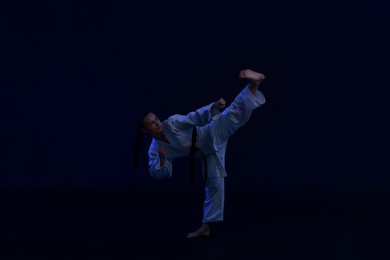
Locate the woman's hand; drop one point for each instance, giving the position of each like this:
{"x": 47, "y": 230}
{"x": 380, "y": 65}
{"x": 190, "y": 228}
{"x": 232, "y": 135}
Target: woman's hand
{"x": 220, "y": 104}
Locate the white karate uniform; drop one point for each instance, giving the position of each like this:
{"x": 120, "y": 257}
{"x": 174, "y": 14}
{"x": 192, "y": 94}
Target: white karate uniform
{"x": 213, "y": 131}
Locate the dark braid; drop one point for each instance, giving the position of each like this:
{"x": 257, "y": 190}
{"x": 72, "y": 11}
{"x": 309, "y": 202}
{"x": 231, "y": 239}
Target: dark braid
{"x": 137, "y": 141}
{"x": 137, "y": 146}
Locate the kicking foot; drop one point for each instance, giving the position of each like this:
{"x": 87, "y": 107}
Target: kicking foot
{"x": 204, "y": 230}
{"x": 251, "y": 75}
{"x": 254, "y": 77}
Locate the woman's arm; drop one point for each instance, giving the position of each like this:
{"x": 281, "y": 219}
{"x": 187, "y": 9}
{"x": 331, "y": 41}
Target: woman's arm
{"x": 200, "y": 117}
{"x": 159, "y": 165}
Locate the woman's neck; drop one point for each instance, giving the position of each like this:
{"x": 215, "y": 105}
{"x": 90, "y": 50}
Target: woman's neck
{"x": 161, "y": 137}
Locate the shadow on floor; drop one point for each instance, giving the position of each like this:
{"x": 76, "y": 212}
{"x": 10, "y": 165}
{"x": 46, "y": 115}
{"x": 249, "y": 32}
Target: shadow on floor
{"x": 144, "y": 225}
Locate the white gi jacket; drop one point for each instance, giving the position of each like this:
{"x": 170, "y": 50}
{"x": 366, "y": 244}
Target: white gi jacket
{"x": 213, "y": 130}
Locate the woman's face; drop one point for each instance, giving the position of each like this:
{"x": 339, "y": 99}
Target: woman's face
{"x": 152, "y": 124}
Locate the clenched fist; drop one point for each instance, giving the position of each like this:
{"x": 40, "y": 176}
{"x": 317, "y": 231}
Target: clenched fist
{"x": 220, "y": 104}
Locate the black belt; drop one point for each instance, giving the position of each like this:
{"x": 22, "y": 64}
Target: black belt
{"x": 192, "y": 159}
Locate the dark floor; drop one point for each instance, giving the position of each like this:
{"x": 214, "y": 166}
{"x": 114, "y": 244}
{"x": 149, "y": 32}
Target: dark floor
{"x": 145, "y": 225}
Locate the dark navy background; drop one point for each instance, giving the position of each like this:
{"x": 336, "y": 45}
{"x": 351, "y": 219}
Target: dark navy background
{"x": 308, "y": 175}
{"x": 76, "y": 75}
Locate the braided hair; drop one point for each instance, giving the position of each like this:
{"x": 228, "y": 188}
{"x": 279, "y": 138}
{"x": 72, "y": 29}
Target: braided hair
{"x": 137, "y": 140}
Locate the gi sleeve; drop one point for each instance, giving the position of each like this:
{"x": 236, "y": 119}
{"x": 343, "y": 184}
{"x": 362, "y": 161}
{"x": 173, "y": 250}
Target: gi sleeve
{"x": 155, "y": 170}
{"x": 200, "y": 117}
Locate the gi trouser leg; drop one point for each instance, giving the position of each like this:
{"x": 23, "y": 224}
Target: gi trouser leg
{"x": 230, "y": 120}
{"x": 237, "y": 114}
{"x": 214, "y": 201}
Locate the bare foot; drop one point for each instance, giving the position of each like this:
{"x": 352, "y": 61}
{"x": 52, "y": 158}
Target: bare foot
{"x": 204, "y": 230}
{"x": 254, "y": 77}
{"x": 251, "y": 75}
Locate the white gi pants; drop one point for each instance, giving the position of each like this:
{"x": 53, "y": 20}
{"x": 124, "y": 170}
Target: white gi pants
{"x": 229, "y": 121}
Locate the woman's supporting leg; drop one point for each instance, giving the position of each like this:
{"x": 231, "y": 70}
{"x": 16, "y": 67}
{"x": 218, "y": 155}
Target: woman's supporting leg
{"x": 213, "y": 206}
{"x": 214, "y": 200}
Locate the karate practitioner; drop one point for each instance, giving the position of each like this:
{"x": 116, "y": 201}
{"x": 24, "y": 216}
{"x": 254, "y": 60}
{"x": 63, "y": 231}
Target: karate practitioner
{"x": 172, "y": 139}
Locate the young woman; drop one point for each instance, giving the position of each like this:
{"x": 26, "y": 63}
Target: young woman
{"x": 207, "y": 130}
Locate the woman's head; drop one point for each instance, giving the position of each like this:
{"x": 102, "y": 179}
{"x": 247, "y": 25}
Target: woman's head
{"x": 151, "y": 124}
{"x": 148, "y": 123}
